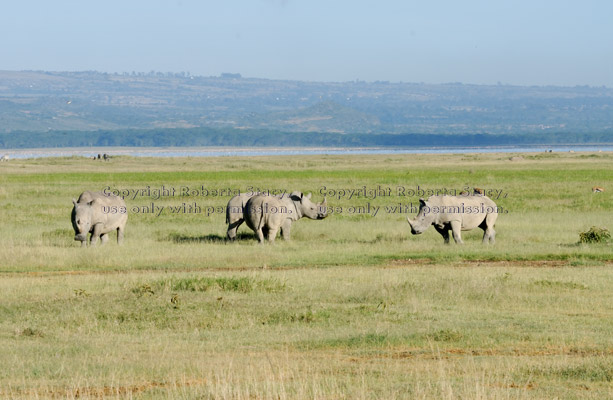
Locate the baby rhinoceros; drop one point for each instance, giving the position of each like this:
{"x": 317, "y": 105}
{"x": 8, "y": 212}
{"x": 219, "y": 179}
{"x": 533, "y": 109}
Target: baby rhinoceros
{"x": 98, "y": 214}
{"x": 266, "y": 215}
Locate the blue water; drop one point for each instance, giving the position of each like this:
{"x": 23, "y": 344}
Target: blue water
{"x": 234, "y": 152}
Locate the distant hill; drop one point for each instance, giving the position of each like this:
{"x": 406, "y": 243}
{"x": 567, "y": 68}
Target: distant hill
{"x": 34, "y": 101}
{"x": 326, "y": 116}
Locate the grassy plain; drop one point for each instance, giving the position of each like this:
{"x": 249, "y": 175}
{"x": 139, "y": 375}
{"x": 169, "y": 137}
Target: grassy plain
{"x": 352, "y": 307}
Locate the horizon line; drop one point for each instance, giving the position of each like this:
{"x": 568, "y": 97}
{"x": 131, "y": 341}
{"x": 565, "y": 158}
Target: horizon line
{"x": 239, "y": 76}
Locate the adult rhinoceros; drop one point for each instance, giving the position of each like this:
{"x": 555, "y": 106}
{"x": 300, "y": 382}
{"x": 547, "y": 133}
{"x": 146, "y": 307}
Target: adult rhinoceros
{"x": 98, "y": 214}
{"x": 456, "y": 213}
{"x": 234, "y": 213}
{"x": 265, "y": 215}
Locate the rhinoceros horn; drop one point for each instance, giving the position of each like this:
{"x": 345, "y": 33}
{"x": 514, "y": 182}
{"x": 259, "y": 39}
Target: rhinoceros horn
{"x": 323, "y": 206}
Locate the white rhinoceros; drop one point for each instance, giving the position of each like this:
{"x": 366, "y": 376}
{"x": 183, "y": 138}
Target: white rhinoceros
{"x": 98, "y": 214}
{"x": 266, "y": 215}
{"x": 456, "y": 213}
{"x": 234, "y": 213}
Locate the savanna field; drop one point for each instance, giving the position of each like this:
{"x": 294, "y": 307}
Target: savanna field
{"x": 354, "y": 306}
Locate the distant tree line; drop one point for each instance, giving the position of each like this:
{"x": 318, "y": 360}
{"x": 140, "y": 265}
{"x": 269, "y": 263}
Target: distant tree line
{"x": 263, "y": 138}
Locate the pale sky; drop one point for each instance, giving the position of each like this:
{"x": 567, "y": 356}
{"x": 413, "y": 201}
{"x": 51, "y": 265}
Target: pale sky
{"x": 521, "y": 42}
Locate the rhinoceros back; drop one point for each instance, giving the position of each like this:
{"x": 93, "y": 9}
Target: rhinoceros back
{"x": 262, "y": 210}
{"x": 234, "y": 210}
{"x": 471, "y": 210}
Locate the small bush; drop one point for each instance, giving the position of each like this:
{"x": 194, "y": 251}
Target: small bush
{"x": 595, "y": 235}
{"x": 230, "y": 284}
{"x": 143, "y": 290}
{"x": 306, "y": 317}
{"x": 363, "y": 340}
{"x": 243, "y": 285}
{"x": 561, "y": 285}
{"x": 597, "y": 372}
{"x": 446, "y": 335}
{"x": 593, "y": 373}
{"x": 81, "y": 293}
{"x": 30, "y": 332}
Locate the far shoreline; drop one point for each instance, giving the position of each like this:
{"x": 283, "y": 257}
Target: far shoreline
{"x": 226, "y": 151}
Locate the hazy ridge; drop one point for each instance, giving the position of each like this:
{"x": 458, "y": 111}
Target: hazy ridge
{"x": 39, "y": 101}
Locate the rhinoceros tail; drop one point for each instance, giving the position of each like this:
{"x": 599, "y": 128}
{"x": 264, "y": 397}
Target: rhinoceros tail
{"x": 261, "y": 221}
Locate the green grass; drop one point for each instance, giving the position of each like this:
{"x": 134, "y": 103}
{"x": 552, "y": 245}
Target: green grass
{"x": 352, "y": 307}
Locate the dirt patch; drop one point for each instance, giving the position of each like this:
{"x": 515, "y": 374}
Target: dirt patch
{"x": 516, "y": 263}
{"x": 513, "y": 385}
{"x": 408, "y": 261}
{"x": 399, "y": 263}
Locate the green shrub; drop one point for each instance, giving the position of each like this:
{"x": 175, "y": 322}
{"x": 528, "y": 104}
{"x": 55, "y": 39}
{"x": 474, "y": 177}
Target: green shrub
{"x": 595, "y": 235}
{"x": 225, "y": 284}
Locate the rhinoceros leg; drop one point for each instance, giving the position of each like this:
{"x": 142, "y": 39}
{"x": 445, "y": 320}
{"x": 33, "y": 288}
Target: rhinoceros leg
{"x": 260, "y": 235}
{"x": 286, "y": 228}
{"x": 489, "y": 234}
{"x": 456, "y": 229}
{"x": 444, "y": 231}
{"x": 95, "y": 234}
{"x": 104, "y": 238}
{"x": 272, "y": 234}
{"x": 120, "y": 232}
{"x": 232, "y": 229}
{"x": 491, "y": 220}
{"x": 84, "y": 243}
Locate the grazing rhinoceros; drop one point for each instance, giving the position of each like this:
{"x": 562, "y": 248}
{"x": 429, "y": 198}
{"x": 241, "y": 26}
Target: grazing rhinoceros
{"x": 265, "y": 215}
{"x": 98, "y": 214}
{"x": 461, "y": 213}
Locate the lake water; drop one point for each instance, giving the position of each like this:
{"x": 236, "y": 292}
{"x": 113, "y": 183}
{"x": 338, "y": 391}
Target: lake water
{"x": 265, "y": 151}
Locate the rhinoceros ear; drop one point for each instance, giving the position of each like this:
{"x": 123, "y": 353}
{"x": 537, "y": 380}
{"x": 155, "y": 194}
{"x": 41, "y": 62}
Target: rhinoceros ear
{"x": 297, "y": 196}
{"x": 74, "y": 201}
{"x": 308, "y": 196}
